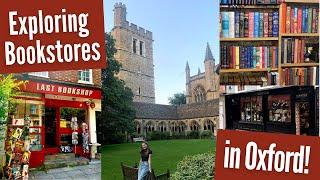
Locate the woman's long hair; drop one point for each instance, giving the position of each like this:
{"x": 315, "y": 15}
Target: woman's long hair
{"x": 144, "y": 150}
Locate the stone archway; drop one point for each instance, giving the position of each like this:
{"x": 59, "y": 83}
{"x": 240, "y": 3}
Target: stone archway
{"x": 194, "y": 125}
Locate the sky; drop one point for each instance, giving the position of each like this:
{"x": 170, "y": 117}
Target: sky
{"x": 181, "y": 30}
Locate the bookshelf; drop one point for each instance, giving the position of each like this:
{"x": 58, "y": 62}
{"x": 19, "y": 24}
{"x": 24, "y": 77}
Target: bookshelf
{"x": 277, "y": 40}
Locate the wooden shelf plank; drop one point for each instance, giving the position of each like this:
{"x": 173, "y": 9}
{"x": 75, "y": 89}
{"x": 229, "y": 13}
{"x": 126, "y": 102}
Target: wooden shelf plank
{"x": 303, "y": 1}
{"x": 262, "y": 6}
{"x": 249, "y": 39}
{"x": 299, "y": 65}
{"x": 247, "y": 70}
{"x": 300, "y": 34}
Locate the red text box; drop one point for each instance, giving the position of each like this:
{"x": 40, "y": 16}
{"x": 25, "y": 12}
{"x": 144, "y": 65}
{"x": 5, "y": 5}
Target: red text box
{"x": 254, "y": 155}
{"x": 48, "y": 35}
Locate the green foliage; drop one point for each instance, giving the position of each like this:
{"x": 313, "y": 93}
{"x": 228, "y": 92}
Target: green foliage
{"x": 177, "y": 135}
{"x": 117, "y": 104}
{"x": 193, "y": 135}
{"x": 206, "y": 134}
{"x": 9, "y": 87}
{"x": 199, "y": 166}
{"x": 177, "y": 99}
{"x": 158, "y": 135}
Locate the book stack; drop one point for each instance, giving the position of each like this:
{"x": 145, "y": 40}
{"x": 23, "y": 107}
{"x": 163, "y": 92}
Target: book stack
{"x": 244, "y": 57}
{"x": 252, "y": 24}
{"x": 301, "y": 76}
{"x": 248, "y": 2}
{"x": 297, "y": 50}
{"x": 300, "y": 19}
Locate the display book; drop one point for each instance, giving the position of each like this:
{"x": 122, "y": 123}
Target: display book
{"x": 17, "y": 147}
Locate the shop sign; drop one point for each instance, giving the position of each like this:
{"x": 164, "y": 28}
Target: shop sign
{"x": 64, "y": 90}
{"x": 51, "y": 35}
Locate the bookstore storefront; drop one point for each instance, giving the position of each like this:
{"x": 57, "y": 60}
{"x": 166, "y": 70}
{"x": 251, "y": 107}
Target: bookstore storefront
{"x": 288, "y": 110}
{"x": 59, "y": 115}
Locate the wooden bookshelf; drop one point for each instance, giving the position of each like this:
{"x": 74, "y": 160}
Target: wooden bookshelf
{"x": 249, "y": 39}
{"x": 248, "y": 70}
{"x": 299, "y": 35}
{"x": 303, "y": 1}
{"x": 224, "y": 7}
{"x": 299, "y": 65}
{"x": 267, "y": 41}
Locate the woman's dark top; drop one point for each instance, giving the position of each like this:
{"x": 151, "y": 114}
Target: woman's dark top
{"x": 145, "y": 154}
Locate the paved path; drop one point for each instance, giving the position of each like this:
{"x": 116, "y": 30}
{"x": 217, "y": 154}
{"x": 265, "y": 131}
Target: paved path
{"x": 86, "y": 172}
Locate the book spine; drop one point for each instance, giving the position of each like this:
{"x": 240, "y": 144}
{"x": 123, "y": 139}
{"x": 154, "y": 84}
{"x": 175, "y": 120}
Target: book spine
{"x": 295, "y": 20}
{"x": 302, "y": 52}
{"x": 304, "y": 20}
{"x": 225, "y": 24}
{"x": 317, "y": 21}
{"x": 256, "y": 24}
{"x": 254, "y": 57}
{"x": 314, "y": 14}
{"x": 296, "y": 46}
{"x": 237, "y": 57}
{"x": 284, "y": 13}
{"x": 265, "y": 24}
{"x": 288, "y": 18}
{"x": 237, "y": 24}
{"x": 309, "y": 20}
{"x": 231, "y": 25}
{"x": 246, "y": 24}
{"x": 275, "y": 26}
{"x": 285, "y": 51}
{"x": 270, "y": 23}
{"x": 299, "y": 20}
{"x": 261, "y": 24}
{"x": 241, "y": 24}
{"x": 251, "y": 24}
{"x": 292, "y": 20}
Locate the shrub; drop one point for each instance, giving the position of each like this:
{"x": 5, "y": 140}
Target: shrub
{"x": 193, "y": 135}
{"x": 206, "y": 134}
{"x": 118, "y": 138}
{"x": 199, "y": 166}
{"x": 177, "y": 135}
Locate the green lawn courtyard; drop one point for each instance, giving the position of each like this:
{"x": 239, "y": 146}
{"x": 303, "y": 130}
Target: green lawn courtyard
{"x": 166, "y": 155}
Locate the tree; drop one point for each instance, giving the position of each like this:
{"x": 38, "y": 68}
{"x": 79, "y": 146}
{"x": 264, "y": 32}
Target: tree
{"x": 117, "y": 103}
{"x": 178, "y": 99}
{"x": 9, "y": 88}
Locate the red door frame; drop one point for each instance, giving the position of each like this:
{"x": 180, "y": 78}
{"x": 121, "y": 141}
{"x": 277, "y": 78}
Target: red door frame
{"x": 58, "y": 104}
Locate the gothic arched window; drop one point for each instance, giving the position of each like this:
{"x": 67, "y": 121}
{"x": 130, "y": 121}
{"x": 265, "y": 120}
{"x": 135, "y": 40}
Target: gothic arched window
{"x": 199, "y": 94}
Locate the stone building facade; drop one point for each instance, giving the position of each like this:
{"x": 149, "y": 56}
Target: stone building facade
{"x": 177, "y": 119}
{"x": 199, "y": 114}
{"x": 135, "y": 52}
{"x": 203, "y": 86}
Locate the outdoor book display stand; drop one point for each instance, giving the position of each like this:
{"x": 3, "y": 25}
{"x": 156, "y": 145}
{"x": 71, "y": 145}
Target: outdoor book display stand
{"x": 17, "y": 146}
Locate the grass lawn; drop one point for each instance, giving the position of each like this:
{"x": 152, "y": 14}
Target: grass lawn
{"x": 166, "y": 155}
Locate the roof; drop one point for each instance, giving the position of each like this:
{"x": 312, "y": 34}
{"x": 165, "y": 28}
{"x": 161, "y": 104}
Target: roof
{"x": 169, "y": 112}
{"x": 209, "y": 55}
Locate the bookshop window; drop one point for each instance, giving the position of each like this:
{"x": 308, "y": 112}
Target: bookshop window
{"x": 303, "y": 116}
{"x": 279, "y": 108}
{"x": 35, "y": 111}
{"x": 251, "y": 109}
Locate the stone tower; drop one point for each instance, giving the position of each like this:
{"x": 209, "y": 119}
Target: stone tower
{"x": 135, "y": 52}
{"x": 203, "y": 86}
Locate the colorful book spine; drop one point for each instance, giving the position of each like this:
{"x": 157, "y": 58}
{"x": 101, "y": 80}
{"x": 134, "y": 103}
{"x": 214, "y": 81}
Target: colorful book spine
{"x": 275, "y": 25}
{"x": 246, "y": 24}
{"x": 225, "y": 24}
{"x": 251, "y": 24}
{"x": 237, "y": 24}
{"x": 256, "y": 24}
{"x": 231, "y": 25}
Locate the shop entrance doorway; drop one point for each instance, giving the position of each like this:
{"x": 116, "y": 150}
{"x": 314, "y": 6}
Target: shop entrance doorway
{"x": 50, "y": 127}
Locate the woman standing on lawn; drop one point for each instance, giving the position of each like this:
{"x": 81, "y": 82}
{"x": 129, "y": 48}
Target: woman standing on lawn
{"x": 145, "y": 161}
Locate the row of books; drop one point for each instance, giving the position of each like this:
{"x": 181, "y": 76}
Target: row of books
{"x": 249, "y": 24}
{"x": 301, "y": 19}
{"x": 297, "y": 50}
{"x": 301, "y": 76}
{"x": 248, "y": 2}
{"x": 244, "y": 57}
